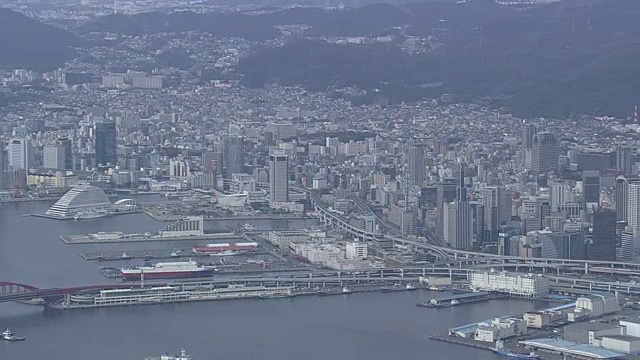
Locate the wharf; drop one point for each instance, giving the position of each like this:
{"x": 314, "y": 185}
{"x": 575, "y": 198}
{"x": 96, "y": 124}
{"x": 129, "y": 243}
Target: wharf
{"x": 88, "y": 239}
{"x": 457, "y": 299}
{"x": 156, "y": 254}
{"x": 71, "y": 218}
{"x": 164, "y": 217}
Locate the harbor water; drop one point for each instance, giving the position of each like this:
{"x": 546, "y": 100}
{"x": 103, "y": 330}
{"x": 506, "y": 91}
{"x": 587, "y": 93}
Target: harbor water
{"x": 357, "y": 326}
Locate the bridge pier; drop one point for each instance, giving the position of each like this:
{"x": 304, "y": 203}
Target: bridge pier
{"x": 586, "y": 268}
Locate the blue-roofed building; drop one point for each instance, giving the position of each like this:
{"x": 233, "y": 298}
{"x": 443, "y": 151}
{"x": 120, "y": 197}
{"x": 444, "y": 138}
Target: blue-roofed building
{"x": 571, "y": 348}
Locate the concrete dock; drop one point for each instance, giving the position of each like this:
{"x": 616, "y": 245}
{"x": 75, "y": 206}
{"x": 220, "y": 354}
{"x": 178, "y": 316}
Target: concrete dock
{"x": 89, "y": 239}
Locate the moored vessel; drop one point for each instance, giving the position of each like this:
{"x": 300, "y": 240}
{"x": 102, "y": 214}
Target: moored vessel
{"x": 167, "y": 270}
{"x": 7, "y": 335}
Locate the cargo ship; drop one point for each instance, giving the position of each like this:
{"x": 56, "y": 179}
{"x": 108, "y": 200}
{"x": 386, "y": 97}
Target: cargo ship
{"x": 167, "y": 270}
{"x": 225, "y": 248}
{"x": 183, "y": 356}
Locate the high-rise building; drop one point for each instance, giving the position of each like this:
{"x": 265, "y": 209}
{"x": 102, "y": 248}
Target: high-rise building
{"x": 603, "y": 240}
{"x": 416, "y": 165}
{"x": 278, "y": 176}
{"x": 591, "y": 187}
{"x": 4, "y": 167}
{"x": 633, "y": 205}
{"x": 179, "y": 168}
{"x": 21, "y": 154}
{"x": 53, "y": 156}
{"x": 497, "y": 210}
{"x": 105, "y": 143}
{"x": 211, "y": 162}
{"x": 622, "y": 195}
{"x": 67, "y": 145}
{"x": 528, "y": 133}
{"x": 446, "y": 192}
{"x": 545, "y": 155}
{"x": 233, "y": 155}
{"x": 458, "y": 219}
{"x": 624, "y": 159}
{"x": 559, "y": 195}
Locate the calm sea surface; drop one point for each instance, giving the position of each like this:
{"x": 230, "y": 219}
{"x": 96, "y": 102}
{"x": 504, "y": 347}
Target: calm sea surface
{"x": 358, "y": 326}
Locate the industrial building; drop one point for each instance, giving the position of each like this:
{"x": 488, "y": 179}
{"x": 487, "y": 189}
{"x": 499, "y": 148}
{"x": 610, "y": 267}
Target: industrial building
{"x": 190, "y": 226}
{"x": 500, "y": 328}
{"x": 527, "y": 285}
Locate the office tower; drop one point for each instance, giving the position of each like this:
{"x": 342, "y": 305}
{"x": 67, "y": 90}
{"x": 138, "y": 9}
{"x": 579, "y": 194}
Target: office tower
{"x": 633, "y": 205}
{"x": 21, "y": 154}
{"x": 603, "y": 241}
{"x": 591, "y": 187}
{"x": 416, "y": 165}
{"x": 559, "y": 195}
{"x": 211, "y": 162}
{"x": 179, "y": 168}
{"x": 545, "y": 154}
{"x": 528, "y": 133}
{"x": 463, "y": 217}
{"x": 53, "y": 156}
{"x": 4, "y": 167}
{"x": 105, "y": 143}
{"x": 278, "y": 176}
{"x": 497, "y": 210}
{"x": 624, "y": 159}
{"x": 629, "y": 244}
{"x": 622, "y": 195}
{"x": 67, "y": 146}
{"x": 233, "y": 155}
{"x": 446, "y": 192}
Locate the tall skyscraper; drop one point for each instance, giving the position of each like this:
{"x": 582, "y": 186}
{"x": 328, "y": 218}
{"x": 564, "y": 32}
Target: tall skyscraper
{"x": 416, "y": 165}
{"x": 622, "y": 195}
{"x": 278, "y": 176}
{"x": 633, "y": 205}
{"x": 233, "y": 155}
{"x": 497, "y": 210}
{"x": 21, "y": 154}
{"x": 67, "y": 145}
{"x": 53, "y": 156}
{"x": 446, "y": 192}
{"x": 603, "y": 241}
{"x": 545, "y": 155}
{"x": 459, "y": 218}
{"x": 106, "y": 143}
{"x": 528, "y": 133}
{"x": 559, "y": 195}
{"x": 591, "y": 187}
{"x": 624, "y": 159}
{"x": 4, "y": 167}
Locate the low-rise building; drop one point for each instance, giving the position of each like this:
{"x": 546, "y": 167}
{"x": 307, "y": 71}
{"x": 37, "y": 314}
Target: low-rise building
{"x": 598, "y": 304}
{"x": 590, "y": 332}
{"x": 500, "y": 328}
{"x": 527, "y": 285}
{"x": 621, "y": 343}
{"x": 543, "y": 319}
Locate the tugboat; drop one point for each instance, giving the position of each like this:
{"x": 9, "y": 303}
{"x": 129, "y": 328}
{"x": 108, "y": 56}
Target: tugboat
{"x": 7, "y": 335}
{"x": 499, "y": 349}
{"x": 183, "y": 356}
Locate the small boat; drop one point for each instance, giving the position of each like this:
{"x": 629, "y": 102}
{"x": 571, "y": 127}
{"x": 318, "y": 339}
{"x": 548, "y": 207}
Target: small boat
{"x": 346, "y": 290}
{"x": 7, "y": 335}
{"x": 409, "y": 287}
{"x": 124, "y": 256}
{"x": 175, "y": 253}
{"x": 183, "y": 356}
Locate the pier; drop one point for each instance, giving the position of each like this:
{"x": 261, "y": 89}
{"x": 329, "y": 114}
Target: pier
{"x": 132, "y": 238}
